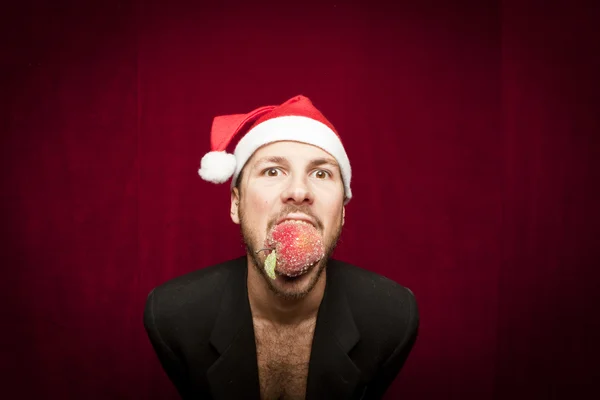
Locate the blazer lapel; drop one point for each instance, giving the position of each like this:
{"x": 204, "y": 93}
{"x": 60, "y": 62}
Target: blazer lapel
{"x": 235, "y": 374}
{"x": 332, "y": 374}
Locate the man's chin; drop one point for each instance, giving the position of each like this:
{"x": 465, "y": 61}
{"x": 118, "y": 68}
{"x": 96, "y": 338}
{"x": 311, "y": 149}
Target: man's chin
{"x": 288, "y": 287}
{"x": 295, "y": 287}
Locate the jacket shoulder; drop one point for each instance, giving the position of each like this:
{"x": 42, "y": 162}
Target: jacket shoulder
{"x": 202, "y": 282}
{"x": 188, "y": 300}
{"x": 377, "y": 300}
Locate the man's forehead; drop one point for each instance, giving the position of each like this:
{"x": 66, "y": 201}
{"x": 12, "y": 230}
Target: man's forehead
{"x": 292, "y": 152}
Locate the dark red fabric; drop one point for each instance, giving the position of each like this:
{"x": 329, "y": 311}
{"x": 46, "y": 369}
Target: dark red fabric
{"x": 472, "y": 129}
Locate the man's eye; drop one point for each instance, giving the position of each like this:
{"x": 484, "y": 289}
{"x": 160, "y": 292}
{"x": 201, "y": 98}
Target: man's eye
{"x": 321, "y": 174}
{"x": 271, "y": 172}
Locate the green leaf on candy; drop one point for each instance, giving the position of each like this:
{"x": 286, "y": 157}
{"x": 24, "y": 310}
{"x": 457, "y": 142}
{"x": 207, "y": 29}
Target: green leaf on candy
{"x": 270, "y": 263}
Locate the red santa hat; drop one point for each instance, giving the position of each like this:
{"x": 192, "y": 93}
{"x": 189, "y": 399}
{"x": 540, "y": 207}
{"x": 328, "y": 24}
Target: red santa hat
{"x": 296, "y": 120}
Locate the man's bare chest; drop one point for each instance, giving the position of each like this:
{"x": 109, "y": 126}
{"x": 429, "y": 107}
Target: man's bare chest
{"x": 283, "y": 356}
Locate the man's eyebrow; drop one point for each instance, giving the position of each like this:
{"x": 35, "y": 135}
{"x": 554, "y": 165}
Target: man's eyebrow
{"x": 284, "y": 161}
{"x": 271, "y": 159}
{"x": 320, "y": 161}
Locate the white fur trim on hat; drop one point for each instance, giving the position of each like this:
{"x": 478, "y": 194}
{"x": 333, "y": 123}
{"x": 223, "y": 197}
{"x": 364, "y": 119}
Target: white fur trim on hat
{"x": 217, "y": 166}
{"x": 298, "y": 129}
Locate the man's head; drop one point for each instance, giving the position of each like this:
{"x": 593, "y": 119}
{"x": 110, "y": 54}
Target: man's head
{"x": 290, "y": 163}
{"x": 283, "y": 180}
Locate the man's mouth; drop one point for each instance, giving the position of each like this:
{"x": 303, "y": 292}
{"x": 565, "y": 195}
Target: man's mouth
{"x": 297, "y": 217}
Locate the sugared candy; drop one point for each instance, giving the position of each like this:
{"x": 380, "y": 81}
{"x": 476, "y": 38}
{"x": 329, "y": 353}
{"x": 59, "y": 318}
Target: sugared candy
{"x": 296, "y": 245}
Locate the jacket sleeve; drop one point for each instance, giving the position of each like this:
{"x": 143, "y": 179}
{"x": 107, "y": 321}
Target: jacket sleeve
{"x": 171, "y": 363}
{"x": 394, "y": 363}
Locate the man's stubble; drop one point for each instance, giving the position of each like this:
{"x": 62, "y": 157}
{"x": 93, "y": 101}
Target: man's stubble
{"x": 250, "y": 237}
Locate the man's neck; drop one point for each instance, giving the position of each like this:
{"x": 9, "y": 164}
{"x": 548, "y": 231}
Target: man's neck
{"x": 269, "y": 307}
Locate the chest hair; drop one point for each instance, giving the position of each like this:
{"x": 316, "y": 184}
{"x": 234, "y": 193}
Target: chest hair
{"x": 283, "y": 355}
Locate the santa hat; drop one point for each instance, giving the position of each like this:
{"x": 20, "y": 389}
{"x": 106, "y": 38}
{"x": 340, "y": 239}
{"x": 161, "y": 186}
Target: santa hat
{"x": 296, "y": 120}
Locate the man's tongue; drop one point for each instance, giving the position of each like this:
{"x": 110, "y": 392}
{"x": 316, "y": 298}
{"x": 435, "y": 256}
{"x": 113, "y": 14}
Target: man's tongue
{"x": 298, "y": 245}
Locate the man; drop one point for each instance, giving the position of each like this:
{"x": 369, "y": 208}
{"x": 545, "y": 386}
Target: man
{"x": 276, "y": 323}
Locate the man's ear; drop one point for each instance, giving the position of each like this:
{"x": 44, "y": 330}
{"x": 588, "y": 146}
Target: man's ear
{"x": 235, "y": 205}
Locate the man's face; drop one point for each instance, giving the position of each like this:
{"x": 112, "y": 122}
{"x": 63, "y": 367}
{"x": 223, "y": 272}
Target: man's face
{"x": 296, "y": 179}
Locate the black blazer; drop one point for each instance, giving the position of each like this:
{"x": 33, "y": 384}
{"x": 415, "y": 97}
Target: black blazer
{"x": 200, "y": 326}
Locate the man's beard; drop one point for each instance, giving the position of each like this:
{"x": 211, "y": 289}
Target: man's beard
{"x": 251, "y": 240}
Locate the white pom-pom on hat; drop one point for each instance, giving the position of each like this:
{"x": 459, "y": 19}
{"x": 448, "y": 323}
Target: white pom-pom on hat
{"x": 217, "y": 166}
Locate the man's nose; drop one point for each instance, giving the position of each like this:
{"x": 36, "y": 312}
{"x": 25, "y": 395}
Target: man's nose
{"x": 298, "y": 192}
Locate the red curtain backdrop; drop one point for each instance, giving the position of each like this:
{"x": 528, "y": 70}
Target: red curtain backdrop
{"x": 472, "y": 129}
